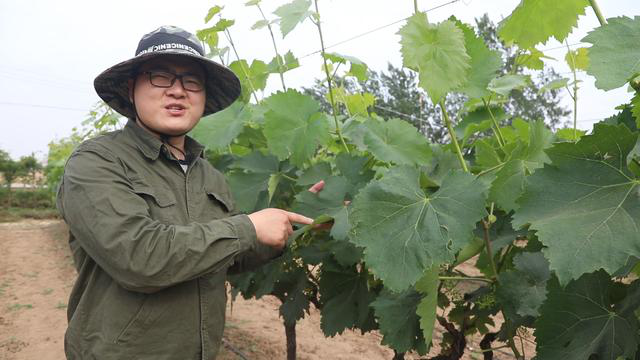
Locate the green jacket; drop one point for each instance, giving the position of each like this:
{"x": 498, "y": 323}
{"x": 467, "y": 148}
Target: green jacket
{"x": 152, "y": 246}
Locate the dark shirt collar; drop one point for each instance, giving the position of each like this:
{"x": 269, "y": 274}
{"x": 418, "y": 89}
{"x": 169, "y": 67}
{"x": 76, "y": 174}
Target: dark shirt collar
{"x": 151, "y": 146}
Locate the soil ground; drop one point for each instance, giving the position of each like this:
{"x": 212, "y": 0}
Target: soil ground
{"x": 36, "y": 275}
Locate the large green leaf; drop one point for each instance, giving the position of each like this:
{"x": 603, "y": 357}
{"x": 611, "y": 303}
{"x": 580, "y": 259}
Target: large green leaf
{"x": 582, "y": 322}
{"x": 252, "y": 78}
{"x": 615, "y": 55}
{"x": 396, "y": 141}
{"x": 291, "y": 14}
{"x": 399, "y": 323}
{"x": 535, "y": 21}
{"x": 345, "y": 295}
{"x": 484, "y": 64}
{"x": 524, "y": 160}
{"x": 406, "y": 230}
{"x": 504, "y": 84}
{"x": 428, "y": 286}
{"x": 249, "y": 180}
{"x": 294, "y": 127}
{"x": 219, "y": 129}
{"x": 578, "y": 59}
{"x": 585, "y": 206}
{"x": 329, "y": 201}
{"x": 437, "y": 52}
{"x": 522, "y": 290}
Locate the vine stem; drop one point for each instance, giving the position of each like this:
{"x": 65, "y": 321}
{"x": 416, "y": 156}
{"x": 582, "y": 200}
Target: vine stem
{"x": 326, "y": 70}
{"x": 496, "y": 126}
{"x": 452, "y": 134}
{"x": 465, "y": 278}
{"x": 487, "y": 243}
{"x": 275, "y": 48}
{"x": 574, "y": 97}
{"x": 596, "y": 9}
{"x": 246, "y": 73}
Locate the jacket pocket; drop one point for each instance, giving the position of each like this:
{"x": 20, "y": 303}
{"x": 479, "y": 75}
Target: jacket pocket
{"x": 160, "y": 201}
{"x": 217, "y": 206}
{"x": 148, "y": 312}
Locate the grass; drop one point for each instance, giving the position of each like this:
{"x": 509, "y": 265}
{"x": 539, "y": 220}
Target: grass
{"x": 61, "y": 305}
{"x": 47, "y": 291}
{"x": 17, "y": 306}
{"x": 15, "y": 214}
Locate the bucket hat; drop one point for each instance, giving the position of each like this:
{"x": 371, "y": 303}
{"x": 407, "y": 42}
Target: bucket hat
{"x": 221, "y": 84}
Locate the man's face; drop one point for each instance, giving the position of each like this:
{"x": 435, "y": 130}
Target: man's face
{"x": 171, "y": 110}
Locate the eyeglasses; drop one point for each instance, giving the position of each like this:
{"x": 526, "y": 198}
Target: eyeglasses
{"x": 164, "y": 79}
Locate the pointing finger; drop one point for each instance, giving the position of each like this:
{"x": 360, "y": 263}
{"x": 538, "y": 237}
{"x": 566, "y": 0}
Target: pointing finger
{"x": 297, "y": 218}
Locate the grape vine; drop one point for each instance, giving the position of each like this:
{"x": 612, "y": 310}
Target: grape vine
{"x": 550, "y": 220}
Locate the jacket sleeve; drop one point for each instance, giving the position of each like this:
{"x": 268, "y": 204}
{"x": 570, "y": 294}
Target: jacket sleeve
{"x": 253, "y": 258}
{"x": 114, "y": 227}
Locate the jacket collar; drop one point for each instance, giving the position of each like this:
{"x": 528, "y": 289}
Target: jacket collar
{"x": 151, "y": 146}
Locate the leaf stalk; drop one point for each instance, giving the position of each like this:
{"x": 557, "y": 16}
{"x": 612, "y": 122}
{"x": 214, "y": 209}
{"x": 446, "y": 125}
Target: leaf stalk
{"x": 596, "y": 9}
{"x": 326, "y": 70}
{"x": 465, "y": 278}
{"x": 496, "y": 126}
{"x": 452, "y": 134}
{"x": 487, "y": 244}
{"x": 275, "y": 48}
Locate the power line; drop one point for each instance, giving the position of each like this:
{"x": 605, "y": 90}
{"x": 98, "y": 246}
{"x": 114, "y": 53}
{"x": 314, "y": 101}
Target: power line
{"x": 43, "y": 106}
{"x": 377, "y": 29}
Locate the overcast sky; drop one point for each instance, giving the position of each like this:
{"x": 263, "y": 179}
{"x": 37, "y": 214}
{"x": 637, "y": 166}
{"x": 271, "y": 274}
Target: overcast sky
{"x": 52, "y": 50}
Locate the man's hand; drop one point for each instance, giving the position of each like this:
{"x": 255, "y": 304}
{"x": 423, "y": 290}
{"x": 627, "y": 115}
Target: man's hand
{"x": 273, "y": 226}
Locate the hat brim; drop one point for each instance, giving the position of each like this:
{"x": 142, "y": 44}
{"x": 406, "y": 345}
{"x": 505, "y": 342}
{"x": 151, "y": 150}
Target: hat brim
{"x": 221, "y": 85}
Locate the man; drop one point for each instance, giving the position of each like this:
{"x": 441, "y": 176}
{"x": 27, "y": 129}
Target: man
{"x": 151, "y": 222}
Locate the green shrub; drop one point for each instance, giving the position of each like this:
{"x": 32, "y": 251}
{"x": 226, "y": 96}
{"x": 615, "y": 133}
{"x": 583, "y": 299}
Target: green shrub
{"x": 27, "y": 198}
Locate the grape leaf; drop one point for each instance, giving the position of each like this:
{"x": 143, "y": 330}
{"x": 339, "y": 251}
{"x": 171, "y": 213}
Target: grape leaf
{"x": 535, "y": 21}
{"x": 578, "y": 59}
{"x": 212, "y": 12}
{"x": 484, "y": 64}
{"x": 358, "y": 68}
{"x": 330, "y": 201}
{"x": 428, "y": 286}
{"x": 293, "y": 126}
{"x": 635, "y": 109}
{"x": 532, "y": 59}
{"x": 522, "y": 290}
{"x": 584, "y": 206}
{"x": 478, "y": 120}
{"x": 399, "y": 323}
{"x": 252, "y": 78}
{"x": 317, "y": 172}
{"x": 219, "y": 129}
{"x": 581, "y": 321}
{"x": 524, "y": 160}
{"x": 292, "y": 287}
{"x": 405, "y": 230}
{"x": 569, "y": 134}
{"x": 291, "y": 14}
{"x": 345, "y": 295}
{"x": 396, "y": 141}
{"x": 437, "y": 52}
{"x": 504, "y": 84}
{"x": 249, "y": 180}
{"x": 259, "y": 24}
{"x": 354, "y": 168}
{"x": 608, "y": 63}
{"x": 554, "y": 85}
{"x": 281, "y": 64}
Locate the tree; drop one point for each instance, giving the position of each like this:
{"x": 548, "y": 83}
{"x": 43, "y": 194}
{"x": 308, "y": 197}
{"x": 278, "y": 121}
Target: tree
{"x": 30, "y": 167}
{"x": 398, "y": 95}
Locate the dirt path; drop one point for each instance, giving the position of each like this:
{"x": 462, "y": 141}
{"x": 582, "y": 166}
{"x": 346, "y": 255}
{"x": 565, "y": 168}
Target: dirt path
{"x": 35, "y": 278}
{"x": 36, "y": 275}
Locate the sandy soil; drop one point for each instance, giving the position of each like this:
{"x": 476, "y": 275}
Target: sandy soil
{"x": 36, "y": 275}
